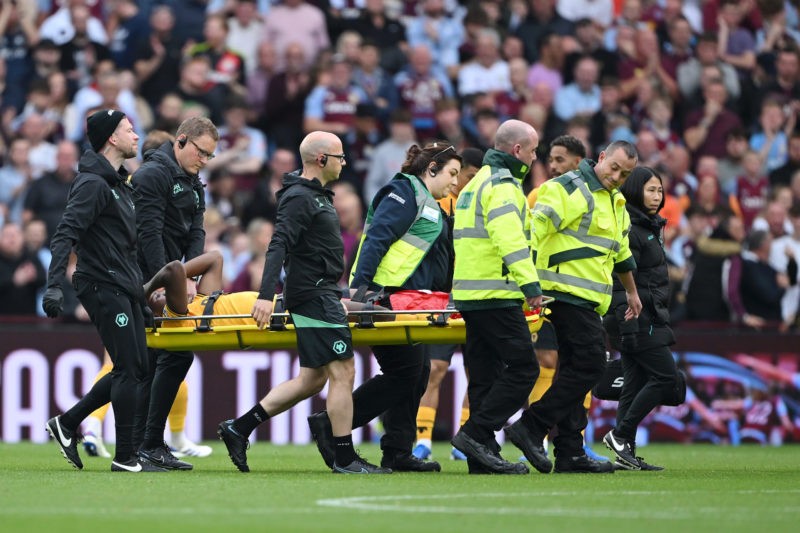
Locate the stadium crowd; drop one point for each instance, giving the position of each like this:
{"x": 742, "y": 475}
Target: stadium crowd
{"x": 707, "y": 90}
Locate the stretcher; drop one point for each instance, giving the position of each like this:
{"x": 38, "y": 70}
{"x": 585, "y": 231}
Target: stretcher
{"x": 442, "y": 326}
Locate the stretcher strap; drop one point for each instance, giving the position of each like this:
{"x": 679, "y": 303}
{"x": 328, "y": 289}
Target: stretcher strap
{"x": 205, "y": 323}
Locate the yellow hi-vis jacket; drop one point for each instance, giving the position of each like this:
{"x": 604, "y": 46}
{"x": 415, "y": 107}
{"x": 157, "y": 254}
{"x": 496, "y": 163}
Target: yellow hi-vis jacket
{"x": 580, "y": 236}
{"x": 491, "y": 234}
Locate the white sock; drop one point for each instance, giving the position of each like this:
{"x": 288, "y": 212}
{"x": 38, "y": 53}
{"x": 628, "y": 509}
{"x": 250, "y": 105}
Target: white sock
{"x": 94, "y": 426}
{"x": 425, "y": 442}
{"x": 177, "y": 439}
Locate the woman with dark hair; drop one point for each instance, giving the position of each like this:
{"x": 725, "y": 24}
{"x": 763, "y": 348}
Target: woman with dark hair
{"x": 406, "y": 245}
{"x": 649, "y": 370}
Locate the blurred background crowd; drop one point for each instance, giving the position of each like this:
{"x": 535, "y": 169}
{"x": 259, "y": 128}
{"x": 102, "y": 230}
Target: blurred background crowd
{"x": 708, "y": 90}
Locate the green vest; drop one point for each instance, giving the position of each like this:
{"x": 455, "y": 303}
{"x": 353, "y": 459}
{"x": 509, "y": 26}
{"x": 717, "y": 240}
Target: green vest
{"x": 405, "y": 254}
{"x": 491, "y": 237}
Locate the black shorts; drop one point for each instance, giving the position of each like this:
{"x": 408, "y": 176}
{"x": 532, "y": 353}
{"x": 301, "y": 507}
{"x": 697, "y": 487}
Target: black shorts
{"x": 322, "y": 331}
{"x": 441, "y": 352}
{"x": 545, "y": 338}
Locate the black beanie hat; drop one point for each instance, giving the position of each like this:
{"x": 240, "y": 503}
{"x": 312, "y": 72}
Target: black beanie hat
{"x": 101, "y": 125}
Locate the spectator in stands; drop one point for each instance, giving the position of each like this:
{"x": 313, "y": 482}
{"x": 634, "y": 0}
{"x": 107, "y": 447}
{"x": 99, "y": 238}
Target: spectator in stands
{"x": 157, "y": 59}
{"x": 551, "y": 62}
{"x": 774, "y": 219}
{"x": 730, "y": 166}
{"x": 46, "y": 60}
{"x": 613, "y": 119}
{"x": 192, "y": 15}
{"x": 246, "y": 31}
{"x": 706, "y": 54}
{"x": 36, "y": 244}
{"x": 263, "y": 203}
{"x": 193, "y": 86}
{"x": 348, "y": 206}
{"x": 783, "y": 174}
{"x": 541, "y": 18}
{"x": 18, "y": 33}
{"x": 241, "y": 150}
{"x": 375, "y": 82}
{"x": 332, "y": 107}
{"x": 81, "y": 52}
{"x": 227, "y": 65}
{"x": 785, "y": 85}
{"x": 707, "y": 129}
{"x": 751, "y": 188}
{"x": 642, "y": 63}
{"x": 387, "y": 33}
{"x": 448, "y": 123}
{"x": 761, "y": 287}
{"x": 679, "y": 48}
{"x": 776, "y": 124}
{"x": 259, "y": 234}
{"x": 60, "y": 26}
{"x": 16, "y": 176}
{"x": 258, "y": 80}
{"x": 286, "y": 96}
{"x": 390, "y": 154}
{"x": 509, "y": 103}
{"x": 419, "y": 89}
{"x": 658, "y": 120}
{"x": 21, "y": 273}
{"x": 707, "y": 293}
{"x": 784, "y": 250}
{"x": 297, "y": 21}
{"x": 735, "y": 43}
{"x": 581, "y": 97}
{"x": 47, "y": 196}
{"x": 588, "y": 40}
{"x": 127, "y": 26}
{"x": 488, "y": 72}
{"x": 441, "y": 32}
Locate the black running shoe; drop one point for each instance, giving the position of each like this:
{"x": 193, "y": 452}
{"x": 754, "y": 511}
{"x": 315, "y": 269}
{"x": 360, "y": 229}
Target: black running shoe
{"x": 67, "y": 441}
{"x": 161, "y": 457}
{"x": 623, "y": 449}
{"x": 322, "y": 433}
{"x": 235, "y": 443}
{"x": 485, "y": 457}
{"x": 360, "y": 466}
{"x": 405, "y": 462}
{"x": 533, "y": 449}
{"x": 647, "y": 466}
{"x": 582, "y": 464}
{"x": 135, "y": 465}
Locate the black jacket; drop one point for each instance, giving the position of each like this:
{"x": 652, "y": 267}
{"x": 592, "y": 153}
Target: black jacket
{"x": 100, "y": 221}
{"x": 169, "y": 211}
{"x": 652, "y": 284}
{"x": 307, "y": 240}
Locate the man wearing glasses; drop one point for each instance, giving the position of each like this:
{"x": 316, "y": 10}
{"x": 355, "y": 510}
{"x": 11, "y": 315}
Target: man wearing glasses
{"x": 169, "y": 224}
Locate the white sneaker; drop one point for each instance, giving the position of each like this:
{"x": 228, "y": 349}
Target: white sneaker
{"x": 190, "y": 449}
{"x": 94, "y": 446}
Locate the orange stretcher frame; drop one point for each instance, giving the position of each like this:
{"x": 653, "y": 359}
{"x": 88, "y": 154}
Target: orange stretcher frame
{"x": 423, "y": 327}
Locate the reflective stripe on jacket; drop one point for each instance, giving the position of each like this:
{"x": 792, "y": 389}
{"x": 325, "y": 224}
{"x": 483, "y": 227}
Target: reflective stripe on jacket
{"x": 580, "y": 236}
{"x": 491, "y": 236}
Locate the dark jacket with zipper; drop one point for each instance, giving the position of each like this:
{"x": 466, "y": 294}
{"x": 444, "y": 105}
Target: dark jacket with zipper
{"x": 100, "y": 222}
{"x": 307, "y": 240}
{"x": 169, "y": 211}
{"x": 652, "y": 283}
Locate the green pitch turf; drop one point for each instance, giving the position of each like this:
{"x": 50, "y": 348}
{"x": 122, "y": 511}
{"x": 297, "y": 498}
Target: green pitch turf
{"x": 704, "y": 488}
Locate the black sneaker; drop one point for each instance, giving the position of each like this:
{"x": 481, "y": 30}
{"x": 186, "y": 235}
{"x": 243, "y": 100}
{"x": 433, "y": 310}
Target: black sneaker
{"x": 623, "y": 450}
{"x": 481, "y": 454}
{"x": 582, "y": 464}
{"x": 360, "y": 466}
{"x": 322, "y": 433}
{"x": 161, "y": 457}
{"x": 235, "y": 443}
{"x": 405, "y": 462}
{"x": 647, "y": 466}
{"x": 67, "y": 441}
{"x": 533, "y": 449}
{"x": 135, "y": 465}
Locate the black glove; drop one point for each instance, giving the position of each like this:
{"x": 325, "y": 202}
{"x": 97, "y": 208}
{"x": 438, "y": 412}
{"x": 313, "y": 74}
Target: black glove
{"x": 627, "y": 342}
{"x": 53, "y": 301}
{"x": 149, "y": 320}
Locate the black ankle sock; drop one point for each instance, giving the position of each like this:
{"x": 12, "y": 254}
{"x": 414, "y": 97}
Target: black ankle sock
{"x": 345, "y": 454}
{"x": 245, "y": 424}
{"x": 68, "y": 423}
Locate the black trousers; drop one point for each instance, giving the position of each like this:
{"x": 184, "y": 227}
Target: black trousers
{"x": 648, "y": 375}
{"x": 581, "y": 362}
{"x": 395, "y": 393}
{"x": 158, "y": 390}
{"x": 502, "y": 368}
{"x": 119, "y": 320}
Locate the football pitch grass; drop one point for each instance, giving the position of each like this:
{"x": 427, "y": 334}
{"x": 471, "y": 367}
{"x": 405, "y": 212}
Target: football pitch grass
{"x": 705, "y": 488}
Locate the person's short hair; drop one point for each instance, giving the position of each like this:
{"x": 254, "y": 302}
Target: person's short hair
{"x": 572, "y": 144}
{"x": 400, "y": 115}
{"x": 235, "y": 101}
{"x": 707, "y": 37}
{"x": 472, "y": 157}
{"x": 737, "y": 133}
{"x": 755, "y": 239}
{"x": 195, "y": 127}
{"x": 625, "y": 146}
{"x": 155, "y": 139}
